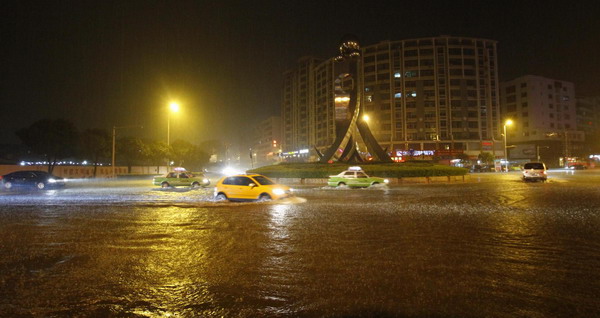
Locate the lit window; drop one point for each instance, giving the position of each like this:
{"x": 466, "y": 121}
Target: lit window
{"x": 398, "y": 95}
{"x": 369, "y": 98}
{"x": 413, "y": 94}
{"x": 397, "y": 75}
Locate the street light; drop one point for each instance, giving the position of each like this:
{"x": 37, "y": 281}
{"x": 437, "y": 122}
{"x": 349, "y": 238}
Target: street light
{"x": 508, "y": 122}
{"x": 173, "y": 108}
{"x": 366, "y": 118}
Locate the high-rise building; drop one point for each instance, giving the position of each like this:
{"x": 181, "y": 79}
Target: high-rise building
{"x": 544, "y": 118}
{"x": 588, "y": 121}
{"x": 427, "y": 96}
{"x": 266, "y": 147}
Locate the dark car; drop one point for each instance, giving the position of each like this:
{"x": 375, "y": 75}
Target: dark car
{"x": 37, "y": 179}
{"x": 481, "y": 168}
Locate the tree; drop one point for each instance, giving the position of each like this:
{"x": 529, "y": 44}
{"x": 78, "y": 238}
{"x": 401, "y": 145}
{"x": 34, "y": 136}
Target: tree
{"x": 54, "y": 139}
{"x": 185, "y": 153}
{"x": 486, "y": 157}
{"x": 132, "y": 151}
{"x": 96, "y": 144}
{"x": 158, "y": 152}
{"x": 464, "y": 158}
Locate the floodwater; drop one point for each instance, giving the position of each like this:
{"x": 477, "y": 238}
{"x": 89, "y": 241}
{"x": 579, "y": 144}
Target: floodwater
{"x": 490, "y": 247}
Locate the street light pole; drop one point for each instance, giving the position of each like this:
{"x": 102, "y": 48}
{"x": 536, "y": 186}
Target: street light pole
{"x": 507, "y": 123}
{"x": 173, "y": 108}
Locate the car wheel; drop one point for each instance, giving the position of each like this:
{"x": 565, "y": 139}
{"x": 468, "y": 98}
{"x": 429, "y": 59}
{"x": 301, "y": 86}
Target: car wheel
{"x": 40, "y": 185}
{"x": 264, "y": 197}
{"x": 165, "y": 185}
{"x": 8, "y": 185}
{"x": 341, "y": 184}
{"x": 221, "y": 197}
{"x": 195, "y": 185}
{"x": 374, "y": 183}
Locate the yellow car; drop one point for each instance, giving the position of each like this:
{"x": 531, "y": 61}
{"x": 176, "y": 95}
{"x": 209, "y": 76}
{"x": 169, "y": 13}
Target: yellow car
{"x": 250, "y": 187}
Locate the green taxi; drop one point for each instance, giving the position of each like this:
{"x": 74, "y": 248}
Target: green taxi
{"x": 355, "y": 177}
{"x": 179, "y": 178}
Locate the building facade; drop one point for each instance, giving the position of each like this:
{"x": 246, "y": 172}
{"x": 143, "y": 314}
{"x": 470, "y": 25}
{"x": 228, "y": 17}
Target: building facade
{"x": 588, "y": 121}
{"x": 266, "y": 148}
{"x": 544, "y": 116}
{"x": 424, "y": 97}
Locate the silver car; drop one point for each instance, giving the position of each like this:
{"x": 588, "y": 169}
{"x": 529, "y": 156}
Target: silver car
{"x": 534, "y": 171}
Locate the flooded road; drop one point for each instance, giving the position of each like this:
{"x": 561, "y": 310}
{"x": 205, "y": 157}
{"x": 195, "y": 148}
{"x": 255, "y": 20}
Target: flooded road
{"x": 491, "y": 247}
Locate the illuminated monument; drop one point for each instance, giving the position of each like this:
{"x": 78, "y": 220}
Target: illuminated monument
{"x": 351, "y": 127}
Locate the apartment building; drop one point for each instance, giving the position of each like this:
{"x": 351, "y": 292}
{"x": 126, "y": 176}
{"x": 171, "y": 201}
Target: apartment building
{"x": 543, "y": 112}
{"x": 267, "y": 141}
{"x": 588, "y": 121}
{"x": 434, "y": 96}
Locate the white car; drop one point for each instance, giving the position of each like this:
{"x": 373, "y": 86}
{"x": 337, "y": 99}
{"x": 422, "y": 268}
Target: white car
{"x": 533, "y": 171}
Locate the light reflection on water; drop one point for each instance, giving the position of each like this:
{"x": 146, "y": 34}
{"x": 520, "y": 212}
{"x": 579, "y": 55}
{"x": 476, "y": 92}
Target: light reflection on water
{"x": 501, "y": 249}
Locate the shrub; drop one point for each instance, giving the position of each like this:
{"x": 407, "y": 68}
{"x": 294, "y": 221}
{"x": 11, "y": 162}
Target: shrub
{"x": 386, "y": 170}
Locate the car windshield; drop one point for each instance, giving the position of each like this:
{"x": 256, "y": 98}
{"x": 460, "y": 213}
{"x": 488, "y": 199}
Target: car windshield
{"x": 263, "y": 180}
{"x": 534, "y": 165}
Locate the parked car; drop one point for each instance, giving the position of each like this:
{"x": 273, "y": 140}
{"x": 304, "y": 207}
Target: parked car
{"x": 481, "y": 168}
{"x": 252, "y": 187}
{"x": 180, "y": 178}
{"x": 35, "y": 179}
{"x": 534, "y": 171}
{"x": 355, "y": 177}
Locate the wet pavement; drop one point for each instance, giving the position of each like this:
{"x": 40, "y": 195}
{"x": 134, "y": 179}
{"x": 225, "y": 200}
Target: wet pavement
{"x": 491, "y": 247}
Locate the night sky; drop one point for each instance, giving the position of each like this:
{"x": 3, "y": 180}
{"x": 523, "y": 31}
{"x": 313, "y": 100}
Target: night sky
{"x": 106, "y": 63}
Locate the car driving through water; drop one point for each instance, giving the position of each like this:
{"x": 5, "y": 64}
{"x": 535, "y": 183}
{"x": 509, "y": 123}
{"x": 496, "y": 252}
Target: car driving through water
{"x": 250, "y": 187}
{"x": 33, "y": 179}
{"x": 355, "y": 177}
{"x": 180, "y": 177}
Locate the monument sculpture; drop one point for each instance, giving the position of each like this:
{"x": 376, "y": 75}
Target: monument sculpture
{"x": 351, "y": 128}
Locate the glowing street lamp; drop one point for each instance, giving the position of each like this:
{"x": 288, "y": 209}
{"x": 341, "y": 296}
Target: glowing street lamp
{"x": 366, "y": 118}
{"x": 508, "y": 122}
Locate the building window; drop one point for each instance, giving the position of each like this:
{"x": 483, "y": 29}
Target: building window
{"x": 398, "y": 95}
{"x": 426, "y": 72}
{"x": 410, "y": 53}
{"x": 397, "y": 75}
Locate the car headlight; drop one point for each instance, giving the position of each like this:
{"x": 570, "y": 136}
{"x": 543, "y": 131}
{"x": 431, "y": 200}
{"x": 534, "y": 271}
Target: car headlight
{"x": 204, "y": 180}
{"x": 386, "y": 181}
{"x": 278, "y": 191}
{"x": 51, "y": 180}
